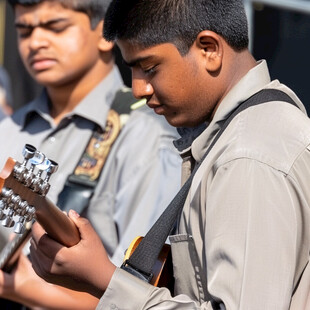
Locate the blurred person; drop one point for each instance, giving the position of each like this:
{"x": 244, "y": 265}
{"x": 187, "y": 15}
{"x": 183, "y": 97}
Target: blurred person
{"x": 5, "y": 94}
{"x": 61, "y": 45}
{"x": 242, "y": 240}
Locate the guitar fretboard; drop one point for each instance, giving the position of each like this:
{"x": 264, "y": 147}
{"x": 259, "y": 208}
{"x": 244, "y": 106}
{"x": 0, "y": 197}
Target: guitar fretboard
{"x": 11, "y": 247}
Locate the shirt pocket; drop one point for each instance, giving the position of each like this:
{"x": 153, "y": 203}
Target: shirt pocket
{"x": 186, "y": 267}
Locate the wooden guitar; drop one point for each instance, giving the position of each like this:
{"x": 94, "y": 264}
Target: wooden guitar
{"x": 23, "y": 200}
{"x": 162, "y": 270}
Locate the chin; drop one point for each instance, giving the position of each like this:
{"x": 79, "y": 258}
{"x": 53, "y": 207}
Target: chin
{"x": 176, "y": 121}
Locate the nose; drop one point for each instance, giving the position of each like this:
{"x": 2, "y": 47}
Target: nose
{"x": 38, "y": 39}
{"x": 141, "y": 88}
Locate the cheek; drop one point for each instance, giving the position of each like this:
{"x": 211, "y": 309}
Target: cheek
{"x": 77, "y": 44}
{"x": 22, "y": 48}
{"x": 71, "y": 48}
{"x": 23, "y": 51}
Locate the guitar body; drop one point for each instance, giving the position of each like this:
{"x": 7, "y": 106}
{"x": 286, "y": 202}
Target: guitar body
{"x": 162, "y": 270}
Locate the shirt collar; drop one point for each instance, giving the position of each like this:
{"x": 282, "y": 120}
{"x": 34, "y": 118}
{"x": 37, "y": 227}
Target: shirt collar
{"x": 39, "y": 106}
{"x": 94, "y": 106}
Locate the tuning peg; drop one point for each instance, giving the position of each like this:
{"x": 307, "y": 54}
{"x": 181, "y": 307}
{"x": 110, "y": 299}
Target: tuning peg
{"x": 37, "y": 181}
{"x": 44, "y": 166}
{"x": 37, "y": 159}
{"x": 3, "y": 206}
{"x": 26, "y": 215}
{"x": 45, "y": 186}
{"x": 19, "y": 227}
{"x": 6, "y": 194}
{"x": 20, "y": 168}
{"x": 30, "y": 214}
{"x": 51, "y": 169}
{"x": 8, "y": 221}
{"x": 28, "y": 152}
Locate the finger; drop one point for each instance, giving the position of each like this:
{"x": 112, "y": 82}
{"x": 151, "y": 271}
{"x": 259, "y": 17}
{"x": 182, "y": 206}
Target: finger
{"x": 37, "y": 260}
{"x": 84, "y": 226}
{"x": 6, "y": 281}
{"x": 37, "y": 231}
{"x": 46, "y": 249}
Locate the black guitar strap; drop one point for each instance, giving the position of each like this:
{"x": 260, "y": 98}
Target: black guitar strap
{"x": 81, "y": 184}
{"x": 142, "y": 260}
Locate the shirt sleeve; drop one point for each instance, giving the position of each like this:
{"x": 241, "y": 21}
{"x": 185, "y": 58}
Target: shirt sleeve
{"x": 255, "y": 235}
{"x": 128, "y": 292}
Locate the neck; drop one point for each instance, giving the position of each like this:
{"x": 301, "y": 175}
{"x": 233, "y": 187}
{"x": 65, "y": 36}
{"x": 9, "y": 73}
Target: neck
{"x": 239, "y": 64}
{"x": 243, "y": 62}
{"x": 235, "y": 66}
{"x": 66, "y": 96}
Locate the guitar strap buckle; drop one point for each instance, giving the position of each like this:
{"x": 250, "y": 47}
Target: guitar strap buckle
{"x": 147, "y": 277}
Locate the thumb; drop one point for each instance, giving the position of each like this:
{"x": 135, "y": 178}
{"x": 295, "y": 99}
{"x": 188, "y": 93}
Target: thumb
{"x": 81, "y": 223}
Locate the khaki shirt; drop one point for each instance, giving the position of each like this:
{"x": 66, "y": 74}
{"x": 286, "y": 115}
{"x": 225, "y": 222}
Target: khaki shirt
{"x": 244, "y": 236}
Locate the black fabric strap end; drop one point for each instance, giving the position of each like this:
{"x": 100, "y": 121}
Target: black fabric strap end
{"x": 136, "y": 272}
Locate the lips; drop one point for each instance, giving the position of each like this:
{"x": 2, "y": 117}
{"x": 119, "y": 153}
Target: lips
{"x": 41, "y": 63}
{"x": 158, "y": 108}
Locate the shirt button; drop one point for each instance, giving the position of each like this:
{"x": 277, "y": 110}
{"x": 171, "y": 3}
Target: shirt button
{"x": 52, "y": 139}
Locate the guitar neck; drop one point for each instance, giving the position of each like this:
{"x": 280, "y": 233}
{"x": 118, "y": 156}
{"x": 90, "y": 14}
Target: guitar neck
{"x": 11, "y": 251}
{"x": 55, "y": 222}
{"x": 23, "y": 189}
{"x": 51, "y": 218}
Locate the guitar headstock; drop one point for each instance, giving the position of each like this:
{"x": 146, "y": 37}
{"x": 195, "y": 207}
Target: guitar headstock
{"x": 21, "y": 184}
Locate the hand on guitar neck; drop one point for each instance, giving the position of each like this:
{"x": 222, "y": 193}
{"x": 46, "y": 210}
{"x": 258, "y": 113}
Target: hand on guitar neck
{"x": 85, "y": 266}
{"x": 23, "y": 195}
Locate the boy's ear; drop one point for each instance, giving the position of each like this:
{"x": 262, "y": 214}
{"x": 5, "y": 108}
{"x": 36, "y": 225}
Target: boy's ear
{"x": 103, "y": 45}
{"x": 211, "y": 47}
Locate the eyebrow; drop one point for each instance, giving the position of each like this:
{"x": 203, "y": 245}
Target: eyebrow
{"x": 136, "y": 61}
{"x": 42, "y": 24}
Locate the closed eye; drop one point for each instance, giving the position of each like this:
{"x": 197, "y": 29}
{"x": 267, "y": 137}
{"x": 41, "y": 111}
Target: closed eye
{"x": 149, "y": 71}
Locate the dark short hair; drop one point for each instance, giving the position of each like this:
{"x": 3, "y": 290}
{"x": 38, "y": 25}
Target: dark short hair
{"x": 153, "y": 22}
{"x": 95, "y": 9}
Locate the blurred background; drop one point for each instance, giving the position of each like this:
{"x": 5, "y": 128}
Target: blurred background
{"x": 279, "y": 32}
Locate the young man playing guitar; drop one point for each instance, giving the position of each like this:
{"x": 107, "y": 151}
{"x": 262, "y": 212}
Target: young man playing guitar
{"x": 61, "y": 45}
{"x": 242, "y": 240}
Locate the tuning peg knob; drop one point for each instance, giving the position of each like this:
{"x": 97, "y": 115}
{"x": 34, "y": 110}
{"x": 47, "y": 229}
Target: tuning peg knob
{"x": 45, "y": 186}
{"x": 20, "y": 169}
{"x": 28, "y": 151}
{"x": 37, "y": 159}
{"x": 51, "y": 169}
{"x": 8, "y": 221}
{"x": 2, "y": 207}
{"x": 19, "y": 227}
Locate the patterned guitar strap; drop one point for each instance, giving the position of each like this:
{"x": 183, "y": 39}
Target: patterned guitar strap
{"x": 81, "y": 184}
